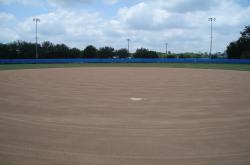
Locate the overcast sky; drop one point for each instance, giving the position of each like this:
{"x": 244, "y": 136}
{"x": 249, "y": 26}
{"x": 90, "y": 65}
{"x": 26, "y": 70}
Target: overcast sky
{"x": 148, "y": 23}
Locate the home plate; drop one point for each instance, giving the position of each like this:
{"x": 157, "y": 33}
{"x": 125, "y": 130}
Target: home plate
{"x": 136, "y": 99}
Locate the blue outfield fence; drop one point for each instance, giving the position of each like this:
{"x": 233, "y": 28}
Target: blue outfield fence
{"x": 127, "y": 60}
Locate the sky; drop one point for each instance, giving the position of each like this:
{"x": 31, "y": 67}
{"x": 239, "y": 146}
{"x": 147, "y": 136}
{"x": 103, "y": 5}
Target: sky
{"x": 183, "y": 24}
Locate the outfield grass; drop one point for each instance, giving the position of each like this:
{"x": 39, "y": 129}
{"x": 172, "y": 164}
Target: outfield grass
{"x": 240, "y": 67}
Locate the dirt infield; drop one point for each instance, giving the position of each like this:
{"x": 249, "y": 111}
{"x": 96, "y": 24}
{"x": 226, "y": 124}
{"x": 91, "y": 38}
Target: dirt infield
{"x": 124, "y": 116}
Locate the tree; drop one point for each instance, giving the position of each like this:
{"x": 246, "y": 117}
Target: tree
{"x": 74, "y": 53}
{"x": 61, "y": 51}
{"x": 171, "y": 56}
{"x": 106, "y": 52}
{"x": 122, "y": 53}
{"x": 13, "y": 50}
{"x": 233, "y": 50}
{"x": 47, "y": 50}
{"x": 246, "y": 32}
{"x": 153, "y": 54}
{"x": 90, "y": 52}
{"x": 4, "y": 51}
{"x": 241, "y": 47}
{"x": 22, "y": 49}
{"x": 145, "y": 53}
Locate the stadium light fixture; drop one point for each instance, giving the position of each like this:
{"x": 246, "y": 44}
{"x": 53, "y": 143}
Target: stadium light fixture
{"x": 36, "y": 20}
{"x": 212, "y": 19}
{"x": 166, "y": 48}
{"x": 128, "y": 44}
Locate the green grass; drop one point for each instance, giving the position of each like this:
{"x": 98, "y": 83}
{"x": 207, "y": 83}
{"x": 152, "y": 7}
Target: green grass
{"x": 240, "y": 67}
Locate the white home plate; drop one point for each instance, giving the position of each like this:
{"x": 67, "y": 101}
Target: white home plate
{"x": 136, "y": 99}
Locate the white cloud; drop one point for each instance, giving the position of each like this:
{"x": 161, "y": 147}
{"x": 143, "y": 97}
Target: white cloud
{"x": 142, "y": 16}
{"x": 184, "y": 24}
{"x": 7, "y": 34}
{"x": 181, "y": 23}
{"x": 63, "y": 26}
{"x": 185, "y": 5}
{"x": 6, "y": 17}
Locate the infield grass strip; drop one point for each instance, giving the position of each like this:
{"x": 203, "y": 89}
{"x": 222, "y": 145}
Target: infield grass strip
{"x": 240, "y": 67}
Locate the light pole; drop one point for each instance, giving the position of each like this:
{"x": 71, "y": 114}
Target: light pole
{"x": 128, "y": 44}
{"x": 166, "y": 49}
{"x": 212, "y": 19}
{"x": 36, "y": 20}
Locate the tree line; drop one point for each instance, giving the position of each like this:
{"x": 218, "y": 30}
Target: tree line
{"x": 47, "y": 50}
{"x": 26, "y": 50}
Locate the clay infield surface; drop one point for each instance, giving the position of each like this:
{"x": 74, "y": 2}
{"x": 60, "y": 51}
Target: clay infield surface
{"x": 86, "y": 116}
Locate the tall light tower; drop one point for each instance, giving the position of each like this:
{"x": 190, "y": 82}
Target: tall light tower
{"x": 36, "y": 20}
{"x": 166, "y": 48}
{"x": 128, "y": 44}
{"x": 212, "y": 19}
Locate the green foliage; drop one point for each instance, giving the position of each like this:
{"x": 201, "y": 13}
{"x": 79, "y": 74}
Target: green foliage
{"x": 196, "y": 56}
{"x": 246, "y": 32}
{"x": 145, "y": 53}
{"x": 233, "y": 50}
{"x": 4, "y": 51}
{"x": 61, "y": 51}
{"x": 90, "y": 52}
{"x": 245, "y": 55}
{"x": 171, "y": 56}
{"x": 161, "y": 55}
{"x": 241, "y": 47}
{"x": 185, "y": 56}
{"x": 141, "y": 53}
{"x": 214, "y": 57}
{"x": 122, "y": 53}
{"x": 74, "y": 53}
{"x": 47, "y": 50}
{"x": 106, "y": 52}
{"x": 18, "y": 49}
{"x": 188, "y": 55}
{"x": 25, "y": 50}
